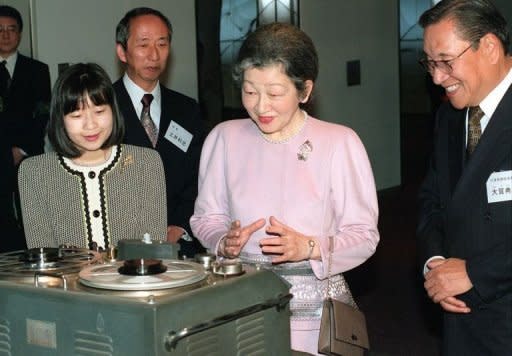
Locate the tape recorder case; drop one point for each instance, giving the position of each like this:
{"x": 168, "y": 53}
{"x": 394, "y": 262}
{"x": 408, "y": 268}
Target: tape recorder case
{"x": 66, "y": 301}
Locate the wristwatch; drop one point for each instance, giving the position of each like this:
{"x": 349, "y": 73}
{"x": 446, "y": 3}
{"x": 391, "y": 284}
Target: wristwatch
{"x": 311, "y": 244}
{"x": 185, "y": 236}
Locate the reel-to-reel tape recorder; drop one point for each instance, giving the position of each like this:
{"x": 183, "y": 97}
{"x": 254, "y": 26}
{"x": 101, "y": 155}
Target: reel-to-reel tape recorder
{"x": 69, "y": 301}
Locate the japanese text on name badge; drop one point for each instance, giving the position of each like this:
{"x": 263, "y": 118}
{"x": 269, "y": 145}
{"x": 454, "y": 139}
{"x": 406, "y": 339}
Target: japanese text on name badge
{"x": 499, "y": 187}
{"x": 178, "y": 136}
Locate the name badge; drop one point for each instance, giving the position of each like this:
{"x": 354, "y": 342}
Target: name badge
{"x": 499, "y": 187}
{"x": 178, "y": 136}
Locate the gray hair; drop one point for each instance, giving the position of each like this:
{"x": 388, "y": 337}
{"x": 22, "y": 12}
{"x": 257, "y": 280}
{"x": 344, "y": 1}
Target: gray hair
{"x": 123, "y": 27}
{"x": 279, "y": 43}
{"x": 473, "y": 20}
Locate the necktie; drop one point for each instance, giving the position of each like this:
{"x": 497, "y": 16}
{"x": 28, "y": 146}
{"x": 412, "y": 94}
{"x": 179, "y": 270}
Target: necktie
{"x": 5, "y": 79}
{"x": 474, "y": 130}
{"x": 146, "y": 120}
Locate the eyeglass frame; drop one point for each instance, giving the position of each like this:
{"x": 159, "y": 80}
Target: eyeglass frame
{"x": 431, "y": 65}
{"x": 9, "y": 29}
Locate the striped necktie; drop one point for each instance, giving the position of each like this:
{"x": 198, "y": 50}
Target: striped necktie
{"x": 146, "y": 120}
{"x": 5, "y": 79}
{"x": 475, "y": 114}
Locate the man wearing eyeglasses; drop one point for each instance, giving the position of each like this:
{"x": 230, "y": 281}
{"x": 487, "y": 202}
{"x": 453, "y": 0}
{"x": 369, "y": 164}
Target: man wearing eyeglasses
{"x": 465, "y": 222}
{"x": 24, "y": 102}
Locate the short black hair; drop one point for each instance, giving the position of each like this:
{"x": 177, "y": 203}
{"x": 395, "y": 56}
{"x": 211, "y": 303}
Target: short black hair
{"x": 9, "y": 11}
{"x": 279, "y": 43}
{"x": 123, "y": 27}
{"x": 72, "y": 88}
{"x": 473, "y": 19}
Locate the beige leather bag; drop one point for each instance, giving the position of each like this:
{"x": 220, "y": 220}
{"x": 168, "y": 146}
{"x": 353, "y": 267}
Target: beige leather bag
{"x": 343, "y": 327}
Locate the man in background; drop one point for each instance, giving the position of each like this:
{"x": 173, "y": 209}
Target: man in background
{"x": 24, "y": 101}
{"x": 24, "y": 89}
{"x": 465, "y": 223}
{"x": 12, "y": 237}
{"x": 158, "y": 117}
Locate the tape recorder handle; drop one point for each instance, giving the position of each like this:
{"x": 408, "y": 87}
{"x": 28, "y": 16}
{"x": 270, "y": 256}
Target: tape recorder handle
{"x": 39, "y": 274}
{"x": 172, "y": 339}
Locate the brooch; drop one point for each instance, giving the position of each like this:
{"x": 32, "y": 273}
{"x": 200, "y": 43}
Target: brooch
{"x": 126, "y": 162}
{"x": 304, "y": 150}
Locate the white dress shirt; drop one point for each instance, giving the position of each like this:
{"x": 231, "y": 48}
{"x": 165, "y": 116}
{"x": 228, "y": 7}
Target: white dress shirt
{"x": 136, "y": 93}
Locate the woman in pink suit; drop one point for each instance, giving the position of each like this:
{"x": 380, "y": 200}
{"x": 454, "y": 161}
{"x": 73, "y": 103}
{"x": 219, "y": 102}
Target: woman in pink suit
{"x": 274, "y": 187}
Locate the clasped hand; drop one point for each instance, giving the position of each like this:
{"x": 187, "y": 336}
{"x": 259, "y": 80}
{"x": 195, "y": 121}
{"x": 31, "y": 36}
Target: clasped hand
{"x": 446, "y": 279}
{"x": 284, "y": 243}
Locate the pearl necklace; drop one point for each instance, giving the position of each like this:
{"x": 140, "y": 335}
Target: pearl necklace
{"x": 287, "y": 139}
{"x": 106, "y": 156}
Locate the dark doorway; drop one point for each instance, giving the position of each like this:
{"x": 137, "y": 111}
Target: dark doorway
{"x": 222, "y": 25}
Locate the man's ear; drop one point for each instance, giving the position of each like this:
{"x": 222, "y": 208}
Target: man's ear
{"x": 491, "y": 45}
{"x": 121, "y": 53}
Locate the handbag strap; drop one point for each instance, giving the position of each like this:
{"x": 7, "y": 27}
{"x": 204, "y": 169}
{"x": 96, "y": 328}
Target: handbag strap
{"x": 329, "y": 296}
{"x": 329, "y": 267}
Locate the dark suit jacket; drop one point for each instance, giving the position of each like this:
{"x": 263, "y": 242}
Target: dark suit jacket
{"x": 23, "y": 121}
{"x": 11, "y": 237}
{"x": 181, "y": 168}
{"x": 456, "y": 220}
{"x": 27, "y": 105}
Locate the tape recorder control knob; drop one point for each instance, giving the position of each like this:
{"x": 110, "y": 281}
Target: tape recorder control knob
{"x": 146, "y": 238}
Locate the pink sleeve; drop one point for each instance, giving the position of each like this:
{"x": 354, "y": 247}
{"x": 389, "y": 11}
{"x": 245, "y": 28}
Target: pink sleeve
{"x": 210, "y": 221}
{"x": 355, "y": 204}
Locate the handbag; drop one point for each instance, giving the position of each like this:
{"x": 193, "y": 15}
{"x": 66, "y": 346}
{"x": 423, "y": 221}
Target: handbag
{"x": 342, "y": 327}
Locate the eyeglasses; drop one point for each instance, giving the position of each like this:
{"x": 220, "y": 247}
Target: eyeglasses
{"x": 8, "y": 29}
{"x": 444, "y": 66}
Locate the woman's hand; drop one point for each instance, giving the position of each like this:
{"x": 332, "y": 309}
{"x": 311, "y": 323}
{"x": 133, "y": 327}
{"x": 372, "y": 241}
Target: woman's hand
{"x": 174, "y": 233}
{"x": 287, "y": 244}
{"x": 237, "y": 237}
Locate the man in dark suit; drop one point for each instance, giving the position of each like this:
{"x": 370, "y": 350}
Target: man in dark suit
{"x": 11, "y": 237}
{"x": 24, "y": 89}
{"x": 24, "y": 102}
{"x": 465, "y": 222}
{"x": 143, "y": 39}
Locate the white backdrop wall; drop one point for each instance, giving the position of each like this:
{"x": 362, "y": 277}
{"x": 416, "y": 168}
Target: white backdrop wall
{"x": 70, "y": 31}
{"x": 365, "y": 30}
